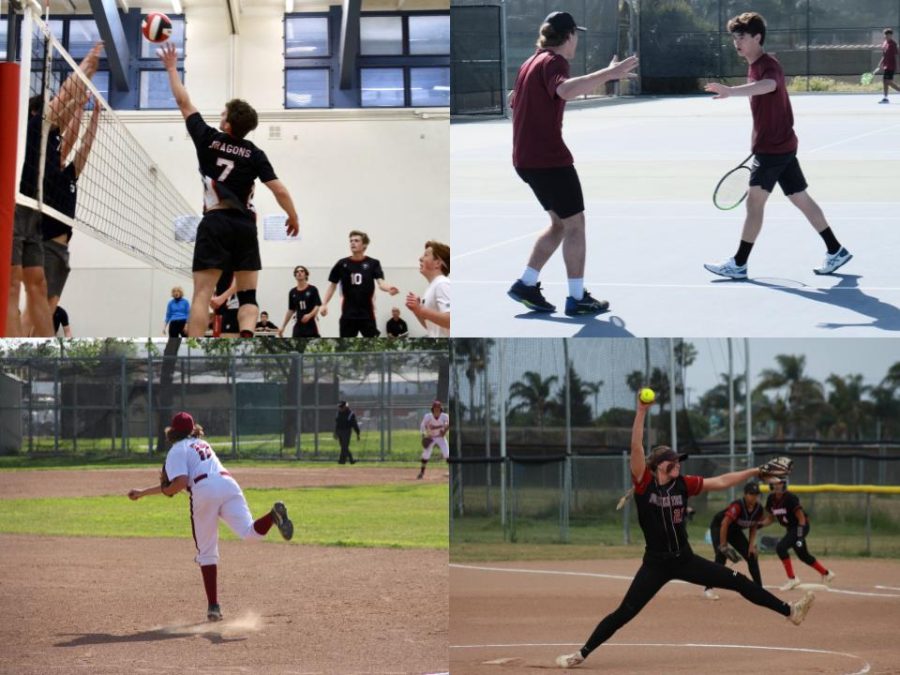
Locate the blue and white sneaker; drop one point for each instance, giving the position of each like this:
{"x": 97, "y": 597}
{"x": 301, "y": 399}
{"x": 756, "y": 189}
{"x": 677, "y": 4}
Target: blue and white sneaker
{"x": 530, "y": 296}
{"x": 729, "y": 269}
{"x": 833, "y": 262}
{"x": 588, "y": 305}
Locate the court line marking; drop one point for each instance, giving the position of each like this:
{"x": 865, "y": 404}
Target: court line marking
{"x": 889, "y": 588}
{"x": 806, "y": 650}
{"x": 620, "y": 577}
{"x": 530, "y": 235}
{"x": 736, "y": 284}
{"x": 853, "y": 138}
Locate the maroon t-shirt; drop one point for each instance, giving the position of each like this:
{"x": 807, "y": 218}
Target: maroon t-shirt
{"x": 538, "y": 113}
{"x": 773, "y": 119}
{"x": 889, "y": 55}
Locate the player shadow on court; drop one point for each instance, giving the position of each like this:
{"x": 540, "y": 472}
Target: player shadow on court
{"x": 847, "y": 295}
{"x": 591, "y": 326}
{"x": 157, "y": 634}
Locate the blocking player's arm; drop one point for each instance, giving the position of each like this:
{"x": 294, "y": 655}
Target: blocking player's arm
{"x": 637, "y": 462}
{"x": 758, "y": 88}
{"x": 283, "y": 197}
{"x": 727, "y": 480}
{"x": 73, "y": 93}
{"x": 587, "y": 84}
{"x": 169, "y": 57}
{"x": 329, "y": 292}
{"x": 84, "y": 150}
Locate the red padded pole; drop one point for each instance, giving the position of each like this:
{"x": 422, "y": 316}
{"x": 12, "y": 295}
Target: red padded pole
{"x": 9, "y": 131}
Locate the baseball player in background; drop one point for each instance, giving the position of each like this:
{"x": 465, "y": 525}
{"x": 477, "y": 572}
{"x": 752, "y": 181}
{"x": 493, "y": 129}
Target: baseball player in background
{"x": 345, "y": 423}
{"x": 192, "y": 465}
{"x": 784, "y": 506}
{"x": 434, "y": 429}
{"x": 727, "y": 530}
{"x": 661, "y": 494}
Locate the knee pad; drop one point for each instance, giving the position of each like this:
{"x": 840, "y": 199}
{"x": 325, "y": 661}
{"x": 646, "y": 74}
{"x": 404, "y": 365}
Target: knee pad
{"x": 247, "y": 297}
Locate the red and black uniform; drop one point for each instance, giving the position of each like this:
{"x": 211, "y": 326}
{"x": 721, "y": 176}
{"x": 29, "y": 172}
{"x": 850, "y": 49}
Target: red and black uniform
{"x": 774, "y": 142}
{"x": 742, "y": 517}
{"x": 357, "y": 279}
{"x": 303, "y": 302}
{"x": 785, "y": 507}
{"x": 662, "y": 514}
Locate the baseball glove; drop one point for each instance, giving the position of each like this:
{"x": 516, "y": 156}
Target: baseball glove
{"x": 730, "y": 553}
{"x": 164, "y": 481}
{"x": 776, "y": 469}
{"x": 426, "y": 441}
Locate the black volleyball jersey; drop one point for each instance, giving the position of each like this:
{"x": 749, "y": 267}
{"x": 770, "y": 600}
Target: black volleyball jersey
{"x": 740, "y": 515}
{"x": 784, "y": 507}
{"x": 63, "y": 199}
{"x": 357, "y": 280}
{"x": 31, "y": 165}
{"x": 229, "y": 166}
{"x": 303, "y": 301}
{"x": 662, "y": 511}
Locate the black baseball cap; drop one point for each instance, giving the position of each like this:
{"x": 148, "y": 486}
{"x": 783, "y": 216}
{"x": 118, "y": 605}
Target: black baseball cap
{"x": 751, "y": 488}
{"x": 563, "y": 22}
{"x": 663, "y": 454}
{"x": 342, "y": 404}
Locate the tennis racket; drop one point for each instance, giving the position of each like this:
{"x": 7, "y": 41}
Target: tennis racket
{"x": 866, "y": 79}
{"x": 732, "y": 189}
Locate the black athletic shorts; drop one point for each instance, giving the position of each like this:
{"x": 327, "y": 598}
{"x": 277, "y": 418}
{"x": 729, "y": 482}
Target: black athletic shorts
{"x": 226, "y": 240}
{"x": 557, "y": 189}
{"x": 888, "y": 75}
{"x": 308, "y": 329}
{"x": 784, "y": 169}
{"x": 352, "y": 327}
{"x": 230, "y": 320}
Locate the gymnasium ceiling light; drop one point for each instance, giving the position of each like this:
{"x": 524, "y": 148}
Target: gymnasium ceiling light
{"x": 176, "y": 7}
{"x": 288, "y": 6}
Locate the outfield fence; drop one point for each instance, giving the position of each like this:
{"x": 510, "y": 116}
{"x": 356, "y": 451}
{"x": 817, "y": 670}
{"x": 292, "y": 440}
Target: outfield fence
{"x": 281, "y": 405}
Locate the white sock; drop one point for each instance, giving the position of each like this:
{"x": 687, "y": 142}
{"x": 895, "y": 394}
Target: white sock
{"x": 576, "y": 288}
{"x": 530, "y": 276}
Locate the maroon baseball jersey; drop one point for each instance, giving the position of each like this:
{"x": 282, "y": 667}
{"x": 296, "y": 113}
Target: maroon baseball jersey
{"x": 538, "y": 113}
{"x": 773, "y": 118}
{"x": 662, "y": 511}
{"x": 889, "y": 54}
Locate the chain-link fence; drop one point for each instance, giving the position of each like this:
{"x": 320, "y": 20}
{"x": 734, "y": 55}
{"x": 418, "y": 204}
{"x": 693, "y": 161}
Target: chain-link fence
{"x": 259, "y": 406}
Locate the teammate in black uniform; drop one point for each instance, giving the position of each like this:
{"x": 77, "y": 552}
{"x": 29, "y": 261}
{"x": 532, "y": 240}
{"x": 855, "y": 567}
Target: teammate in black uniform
{"x": 225, "y": 305}
{"x": 344, "y": 424}
{"x": 304, "y": 302}
{"x": 357, "y": 276}
{"x": 784, "y": 507}
{"x": 661, "y": 494}
{"x": 226, "y": 237}
{"x": 727, "y": 527}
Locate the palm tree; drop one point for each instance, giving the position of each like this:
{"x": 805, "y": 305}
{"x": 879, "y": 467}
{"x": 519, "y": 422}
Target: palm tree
{"x": 885, "y": 408}
{"x": 685, "y": 355}
{"x": 594, "y": 388}
{"x": 846, "y": 400}
{"x": 471, "y": 354}
{"x": 804, "y": 396}
{"x": 534, "y": 393}
{"x": 892, "y": 379}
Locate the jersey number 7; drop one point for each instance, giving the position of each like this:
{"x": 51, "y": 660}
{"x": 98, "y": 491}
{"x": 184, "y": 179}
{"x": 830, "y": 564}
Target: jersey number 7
{"x": 228, "y": 164}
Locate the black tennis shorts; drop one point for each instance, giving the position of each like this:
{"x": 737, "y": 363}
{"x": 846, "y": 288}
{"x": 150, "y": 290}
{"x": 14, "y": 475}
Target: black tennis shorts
{"x": 226, "y": 240}
{"x": 354, "y": 327}
{"x": 308, "y": 329}
{"x": 888, "y": 75}
{"x": 557, "y": 189}
{"x": 784, "y": 169}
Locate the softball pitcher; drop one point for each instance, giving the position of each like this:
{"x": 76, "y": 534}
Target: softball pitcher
{"x": 661, "y": 494}
{"x": 727, "y": 533}
{"x": 434, "y": 432}
{"x": 192, "y": 465}
{"x": 784, "y": 506}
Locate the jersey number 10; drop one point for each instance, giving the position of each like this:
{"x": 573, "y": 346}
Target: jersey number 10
{"x": 356, "y": 279}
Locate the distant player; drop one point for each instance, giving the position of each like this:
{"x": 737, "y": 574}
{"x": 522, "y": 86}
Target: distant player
{"x": 774, "y": 147}
{"x": 727, "y": 528}
{"x": 543, "y": 161}
{"x": 264, "y": 325}
{"x": 395, "y": 326}
{"x": 661, "y": 494}
{"x": 434, "y": 428}
{"x": 303, "y": 303}
{"x": 358, "y": 275}
{"x": 345, "y": 424}
{"x": 888, "y": 63}
{"x": 226, "y": 237}
{"x": 433, "y": 309}
{"x": 784, "y": 506}
{"x": 192, "y": 465}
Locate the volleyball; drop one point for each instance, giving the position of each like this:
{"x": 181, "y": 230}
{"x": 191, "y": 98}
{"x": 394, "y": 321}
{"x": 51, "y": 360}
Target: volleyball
{"x": 156, "y": 27}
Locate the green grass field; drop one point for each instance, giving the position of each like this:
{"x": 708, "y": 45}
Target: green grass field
{"x": 392, "y": 516}
{"x": 19, "y": 462}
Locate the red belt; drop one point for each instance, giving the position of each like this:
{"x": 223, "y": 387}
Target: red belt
{"x": 205, "y": 475}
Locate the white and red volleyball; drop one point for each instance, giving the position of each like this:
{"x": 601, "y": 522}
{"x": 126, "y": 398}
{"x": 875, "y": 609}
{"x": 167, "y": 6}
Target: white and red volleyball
{"x": 156, "y": 27}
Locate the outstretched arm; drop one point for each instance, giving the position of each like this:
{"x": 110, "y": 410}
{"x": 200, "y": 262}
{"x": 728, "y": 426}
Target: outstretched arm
{"x": 587, "y": 84}
{"x": 73, "y": 93}
{"x": 727, "y": 480}
{"x": 174, "y": 488}
{"x": 283, "y": 197}
{"x": 752, "y": 89}
{"x": 169, "y": 57}
{"x": 386, "y": 287}
{"x": 638, "y": 464}
{"x": 84, "y": 150}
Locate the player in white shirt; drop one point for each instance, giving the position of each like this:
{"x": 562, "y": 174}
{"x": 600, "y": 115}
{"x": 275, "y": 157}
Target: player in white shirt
{"x": 192, "y": 465}
{"x": 434, "y": 429}
{"x": 433, "y": 309}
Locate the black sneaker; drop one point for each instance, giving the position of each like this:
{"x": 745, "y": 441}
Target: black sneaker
{"x": 530, "y": 296}
{"x": 586, "y": 306}
{"x": 284, "y": 524}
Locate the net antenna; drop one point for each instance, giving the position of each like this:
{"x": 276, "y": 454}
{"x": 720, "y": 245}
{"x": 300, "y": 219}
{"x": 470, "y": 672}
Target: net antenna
{"x": 124, "y": 199}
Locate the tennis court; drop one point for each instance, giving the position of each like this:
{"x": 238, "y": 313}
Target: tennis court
{"x": 648, "y": 167}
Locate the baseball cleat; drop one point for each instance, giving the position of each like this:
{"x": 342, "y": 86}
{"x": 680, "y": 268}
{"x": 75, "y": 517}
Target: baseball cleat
{"x": 833, "y": 262}
{"x": 800, "y": 608}
{"x": 214, "y": 613}
{"x": 569, "y": 660}
{"x": 791, "y": 584}
{"x": 710, "y": 594}
{"x": 280, "y": 516}
{"x": 828, "y": 578}
{"x": 729, "y": 269}
{"x": 530, "y": 296}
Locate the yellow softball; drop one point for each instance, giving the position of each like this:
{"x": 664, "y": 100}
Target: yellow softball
{"x": 647, "y": 395}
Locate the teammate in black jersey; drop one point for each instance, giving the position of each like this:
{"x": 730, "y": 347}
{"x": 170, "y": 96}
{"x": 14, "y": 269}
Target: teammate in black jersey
{"x": 661, "y": 494}
{"x": 304, "y": 302}
{"x": 357, "y": 276}
{"x": 226, "y": 237}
